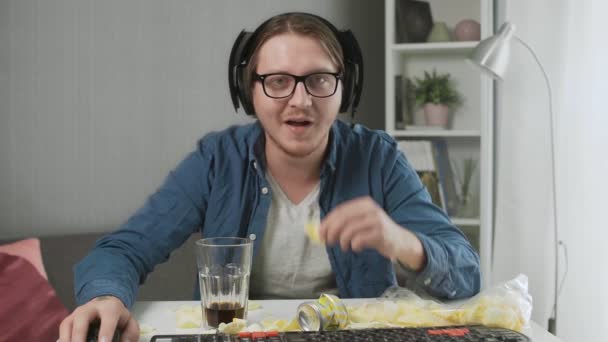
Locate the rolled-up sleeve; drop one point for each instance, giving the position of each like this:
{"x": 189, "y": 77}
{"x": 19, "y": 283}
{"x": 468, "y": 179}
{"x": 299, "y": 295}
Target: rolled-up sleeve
{"x": 120, "y": 261}
{"x": 452, "y": 265}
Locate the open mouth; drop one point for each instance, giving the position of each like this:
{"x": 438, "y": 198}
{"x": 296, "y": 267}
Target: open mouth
{"x": 298, "y": 123}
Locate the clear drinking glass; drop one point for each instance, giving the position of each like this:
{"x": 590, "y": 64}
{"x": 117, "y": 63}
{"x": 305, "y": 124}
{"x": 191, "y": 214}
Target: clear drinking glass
{"x": 224, "y": 265}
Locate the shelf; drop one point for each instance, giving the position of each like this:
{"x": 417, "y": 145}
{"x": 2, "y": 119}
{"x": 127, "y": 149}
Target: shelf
{"x": 465, "y": 221}
{"x": 436, "y": 133}
{"x": 426, "y": 48}
{"x": 472, "y": 126}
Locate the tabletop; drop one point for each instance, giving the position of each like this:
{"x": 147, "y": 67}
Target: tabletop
{"x": 160, "y": 316}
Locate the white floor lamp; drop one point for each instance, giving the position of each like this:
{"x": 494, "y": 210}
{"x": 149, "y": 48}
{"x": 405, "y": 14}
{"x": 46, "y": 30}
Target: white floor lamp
{"x": 491, "y": 56}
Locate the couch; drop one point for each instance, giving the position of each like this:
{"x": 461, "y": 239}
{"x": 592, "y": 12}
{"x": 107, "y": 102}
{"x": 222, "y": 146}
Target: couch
{"x": 172, "y": 280}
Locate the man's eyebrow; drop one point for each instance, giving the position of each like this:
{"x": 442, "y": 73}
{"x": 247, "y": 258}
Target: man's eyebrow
{"x": 312, "y": 71}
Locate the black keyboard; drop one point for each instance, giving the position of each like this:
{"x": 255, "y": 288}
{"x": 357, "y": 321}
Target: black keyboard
{"x": 472, "y": 333}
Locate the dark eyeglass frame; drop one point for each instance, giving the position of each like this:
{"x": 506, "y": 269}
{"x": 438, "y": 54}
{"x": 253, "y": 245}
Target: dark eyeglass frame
{"x": 261, "y": 78}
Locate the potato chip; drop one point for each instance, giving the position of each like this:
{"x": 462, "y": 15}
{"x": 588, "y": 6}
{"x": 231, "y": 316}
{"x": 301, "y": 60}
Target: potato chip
{"x": 234, "y": 327}
{"x": 312, "y": 230}
{"x": 253, "y": 305}
{"x": 281, "y": 325}
{"x": 145, "y": 329}
{"x": 188, "y": 317}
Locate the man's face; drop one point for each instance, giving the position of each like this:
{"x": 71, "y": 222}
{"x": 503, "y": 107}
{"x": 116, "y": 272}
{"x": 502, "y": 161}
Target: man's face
{"x": 297, "y": 125}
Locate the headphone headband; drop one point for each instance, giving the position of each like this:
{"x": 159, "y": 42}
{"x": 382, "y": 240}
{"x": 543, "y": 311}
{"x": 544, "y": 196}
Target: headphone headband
{"x": 243, "y": 48}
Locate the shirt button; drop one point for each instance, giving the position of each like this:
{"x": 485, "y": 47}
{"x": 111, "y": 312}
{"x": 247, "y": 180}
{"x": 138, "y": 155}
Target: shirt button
{"x": 264, "y": 190}
{"x": 427, "y": 281}
{"x": 252, "y": 237}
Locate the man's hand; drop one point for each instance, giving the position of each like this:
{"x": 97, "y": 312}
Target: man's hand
{"x": 360, "y": 223}
{"x": 112, "y": 314}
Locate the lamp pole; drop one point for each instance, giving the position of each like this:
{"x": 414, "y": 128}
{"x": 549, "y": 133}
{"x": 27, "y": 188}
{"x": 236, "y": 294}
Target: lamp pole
{"x": 553, "y": 318}
{"x": 491, "y": 56}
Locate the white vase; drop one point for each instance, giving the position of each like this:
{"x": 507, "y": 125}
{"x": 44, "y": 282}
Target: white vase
{"x": 436, "y": 114}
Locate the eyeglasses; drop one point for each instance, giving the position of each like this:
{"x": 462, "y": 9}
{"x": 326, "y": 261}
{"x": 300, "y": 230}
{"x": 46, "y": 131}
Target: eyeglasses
{"x": 279, "y": 86}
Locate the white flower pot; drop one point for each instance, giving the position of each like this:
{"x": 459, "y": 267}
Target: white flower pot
{"x": 436, "y": 114}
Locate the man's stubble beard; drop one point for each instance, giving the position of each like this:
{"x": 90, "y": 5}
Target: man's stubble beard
{"x": 286, "y": 151}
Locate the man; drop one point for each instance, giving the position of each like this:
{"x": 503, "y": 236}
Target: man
{"x": 264, "y": 181}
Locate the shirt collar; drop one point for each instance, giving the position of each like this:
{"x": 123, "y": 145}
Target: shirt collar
{"x": 256, "y": 146}
{"x": 332, "y": 145}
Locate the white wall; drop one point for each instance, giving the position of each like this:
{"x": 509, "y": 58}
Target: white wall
{"x": 584, "y": 118}
{"x": 568, "y": 37}
{"x": 100, "y": 99}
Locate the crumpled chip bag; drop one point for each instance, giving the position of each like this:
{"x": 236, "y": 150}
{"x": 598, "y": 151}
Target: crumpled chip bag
{"x": 411, "y": 312}
{"x": 507, "y": 305}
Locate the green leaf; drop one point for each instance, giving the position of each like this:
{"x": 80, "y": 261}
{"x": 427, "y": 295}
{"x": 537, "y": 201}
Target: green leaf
{"x": 436, "y": 88}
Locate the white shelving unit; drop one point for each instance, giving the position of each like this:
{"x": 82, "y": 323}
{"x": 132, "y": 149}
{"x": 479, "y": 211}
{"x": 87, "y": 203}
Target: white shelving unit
{"x": 471, "y": 132}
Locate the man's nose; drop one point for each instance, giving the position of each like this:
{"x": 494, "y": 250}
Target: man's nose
{"x": 300, "y": 97}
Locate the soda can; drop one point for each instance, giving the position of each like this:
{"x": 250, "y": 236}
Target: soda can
{"x": 326, "y": 313}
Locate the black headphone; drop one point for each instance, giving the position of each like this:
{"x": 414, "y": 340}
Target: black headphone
{"x": 243, "y": 48}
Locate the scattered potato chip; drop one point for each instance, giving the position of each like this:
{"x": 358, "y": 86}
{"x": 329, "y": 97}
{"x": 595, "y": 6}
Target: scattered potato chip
{"x": 369, "y": 325}
{"x": 253, "y": 328}
{"x": 234, "y": 327}
{"x": 145, "y": 329}
{"x": 281, "y": 325}
{"x": 293, "y": 326}
{"x": 188, "y": 317}
{"x": 253, "y": 305}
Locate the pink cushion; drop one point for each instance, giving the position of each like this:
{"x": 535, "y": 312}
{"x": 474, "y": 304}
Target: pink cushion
{"x": 30, "y": 310}
{"x": 29, "y": 249}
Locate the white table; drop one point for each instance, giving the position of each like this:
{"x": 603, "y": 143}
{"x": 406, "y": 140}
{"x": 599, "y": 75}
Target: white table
{"x": 161, "y": 317}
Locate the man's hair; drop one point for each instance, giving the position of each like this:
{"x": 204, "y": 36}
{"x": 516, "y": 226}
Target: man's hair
{"x": 298, "y": 23}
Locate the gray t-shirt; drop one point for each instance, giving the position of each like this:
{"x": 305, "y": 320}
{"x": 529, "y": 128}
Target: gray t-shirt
{"x": 288, "y": 265}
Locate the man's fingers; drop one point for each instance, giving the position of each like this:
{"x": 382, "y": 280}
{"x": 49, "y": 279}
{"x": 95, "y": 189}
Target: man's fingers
{"x": 332, "y": 231}
{"x": 354, "y": 207}
{"x": 362, "y": 241}
{"x": 80, "y": 324}
{"x": 342, "y": 216}
{"x": 130, "y": 332}
{"x": 330, "y": 227}
{"x": 107, "y": 327}
{"x": 354, "y": 228}
{"x": 65, "y": 330}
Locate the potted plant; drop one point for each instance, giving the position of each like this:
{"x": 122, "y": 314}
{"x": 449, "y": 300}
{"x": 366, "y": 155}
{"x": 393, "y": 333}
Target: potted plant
{"x": 437, "y": 94}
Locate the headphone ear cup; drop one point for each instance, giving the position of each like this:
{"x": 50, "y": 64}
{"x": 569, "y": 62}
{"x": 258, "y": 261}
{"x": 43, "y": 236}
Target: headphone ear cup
{"x": 244, "y": 91}
{"x": 348, "y": 83}
{"x": 239, "y": 89}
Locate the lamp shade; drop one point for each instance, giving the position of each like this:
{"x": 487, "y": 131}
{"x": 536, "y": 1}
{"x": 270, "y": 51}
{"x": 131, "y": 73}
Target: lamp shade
{"x": 491, "y": 55}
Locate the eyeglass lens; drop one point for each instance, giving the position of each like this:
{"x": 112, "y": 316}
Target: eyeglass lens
{"x": 283, "y": 85}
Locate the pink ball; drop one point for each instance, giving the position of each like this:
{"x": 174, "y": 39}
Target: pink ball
{"x": 467, "y": 29}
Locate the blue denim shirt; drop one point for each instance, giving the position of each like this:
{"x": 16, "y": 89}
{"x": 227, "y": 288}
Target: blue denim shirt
{"x": 220, "y": 190}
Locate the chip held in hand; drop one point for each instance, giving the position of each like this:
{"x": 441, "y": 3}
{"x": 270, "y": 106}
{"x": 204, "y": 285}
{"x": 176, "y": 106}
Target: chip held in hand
{"x": 312, "y": 230}
{"x": 312, "y": 225}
